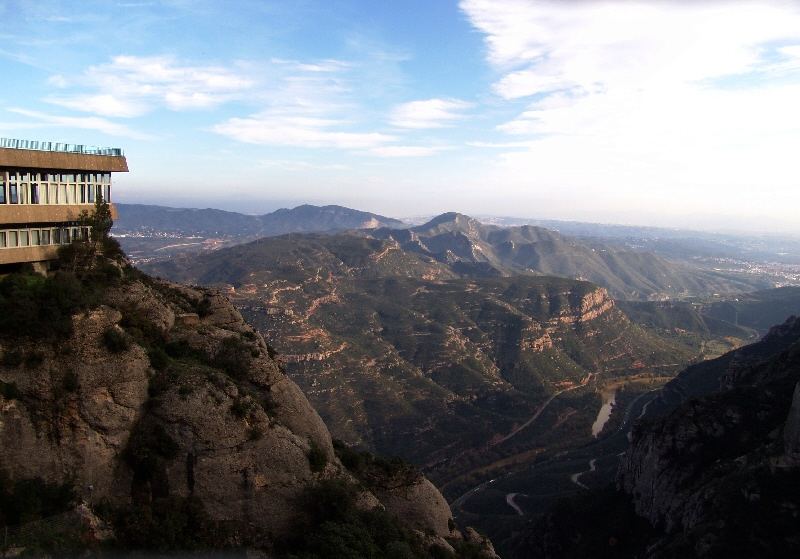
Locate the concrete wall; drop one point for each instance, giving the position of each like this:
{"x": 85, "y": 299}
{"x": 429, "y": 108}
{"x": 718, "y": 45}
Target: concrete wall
{"x": 32, "y": 159}
{"x": 28, "y": 254}
{"x": 45, "y": 213}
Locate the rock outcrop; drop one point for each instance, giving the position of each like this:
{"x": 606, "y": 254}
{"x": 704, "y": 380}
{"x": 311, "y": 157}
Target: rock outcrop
{"x": 723, "y": 468}
{"x": 138, "y": 405}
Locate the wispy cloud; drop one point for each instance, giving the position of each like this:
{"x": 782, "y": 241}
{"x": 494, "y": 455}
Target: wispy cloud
{"x": 407, "y": 151}
{"x": 636, "y": 98}
{"x": 130, "y": 86}
{"x": 429, "y": 113}
{"x": 87, "y": 123}
{"x": 274, "y": 128}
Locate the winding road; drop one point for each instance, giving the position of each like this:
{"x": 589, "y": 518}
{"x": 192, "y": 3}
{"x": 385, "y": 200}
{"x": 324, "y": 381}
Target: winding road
{"x": 576, "y": 478}
{"x": 511, "y": 503}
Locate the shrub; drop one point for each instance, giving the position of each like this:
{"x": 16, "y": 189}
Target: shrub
{"x": 33, "y": 359}
{"x": 337, "y": 529}
{"x": 115, "y": 340}
{"x": 243, "y": 406}
{"x": 32, "y": 306}
{"x": 70, "y": 382}
{"x": 13, "y": 358}
{"x": 203, "y": 307}
{"x": 159, "y": 359}
{"x": 255, "y": 433}
{"x": 9, "y": 391}
{"x": 233, "y": 356}
{"x": 317, "y": 459}
{"x": 26, "y": 500}
{"x": 173, "y": 524}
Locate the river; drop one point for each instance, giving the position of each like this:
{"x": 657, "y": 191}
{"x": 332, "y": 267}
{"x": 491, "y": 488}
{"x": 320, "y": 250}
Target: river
{"x": 609, "y": 398}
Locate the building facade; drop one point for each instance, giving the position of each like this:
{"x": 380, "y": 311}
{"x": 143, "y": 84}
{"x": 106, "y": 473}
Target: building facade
{"x": 44, "y": 187}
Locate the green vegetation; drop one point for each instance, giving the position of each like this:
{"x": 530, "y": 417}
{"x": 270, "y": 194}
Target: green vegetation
{"x": 375, "y": 471}
{"x": 337, "y": 529}
{"x": 35, "y": 307}
{"x": 317, "y": 459}
{"x": 167, "y": 524}
{"x": 234, "y": 356}
{"x": 28, "y": 500}
{"x": 9, "y": 390}
{"x": 115, "y": 340}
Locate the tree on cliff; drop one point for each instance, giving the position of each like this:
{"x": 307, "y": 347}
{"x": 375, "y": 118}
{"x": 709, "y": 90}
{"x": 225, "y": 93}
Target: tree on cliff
{"x": 87, "y": 252}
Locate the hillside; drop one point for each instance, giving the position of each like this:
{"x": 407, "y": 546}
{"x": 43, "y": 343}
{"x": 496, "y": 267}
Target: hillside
{"x": 717, "y": 475}
{"x": 474, "y": 248}
{"x": 137, "y": 414}
{"x": 156, "y": 232}
{"x": 402, "y": 355}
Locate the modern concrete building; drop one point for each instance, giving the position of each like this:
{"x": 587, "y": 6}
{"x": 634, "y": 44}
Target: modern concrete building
{"x": 44, "y": 186}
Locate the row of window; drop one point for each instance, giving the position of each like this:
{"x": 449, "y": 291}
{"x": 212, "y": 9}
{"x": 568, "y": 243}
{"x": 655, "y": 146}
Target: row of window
{"x": 34, "y": 193}
{"x": 11, "y": 238}
{"x": 30, "y": 176}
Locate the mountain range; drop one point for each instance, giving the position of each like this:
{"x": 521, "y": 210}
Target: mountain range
{"x": 211, "y": 222}
{"x": 414, "y": 351}
{"x": 473, "y": 248}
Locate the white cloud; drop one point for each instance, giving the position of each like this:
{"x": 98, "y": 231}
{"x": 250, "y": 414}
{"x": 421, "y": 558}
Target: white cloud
{"x": 87, "y": 123}
{"x": 681, "y": 105}
{"x": 429, "y": 113}
{"x": 131, "y": 86}
{"x": 407, "y": 151}
{"x": 274, "y": 128}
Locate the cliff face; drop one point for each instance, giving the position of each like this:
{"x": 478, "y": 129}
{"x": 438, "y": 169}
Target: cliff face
{"x": 164, "y": 391}
{"x": 721, "y": 470}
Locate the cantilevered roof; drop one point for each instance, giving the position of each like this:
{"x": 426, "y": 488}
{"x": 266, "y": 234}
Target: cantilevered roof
{"x": 29, "y": 154}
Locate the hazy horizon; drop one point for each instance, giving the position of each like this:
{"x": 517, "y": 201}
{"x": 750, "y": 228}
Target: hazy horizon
{"x": 638, "y": 113}
{"x": 269, "y": 206}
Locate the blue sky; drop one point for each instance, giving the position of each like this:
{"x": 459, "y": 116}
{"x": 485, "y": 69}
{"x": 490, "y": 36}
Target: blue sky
{"x": 662, "y": 113}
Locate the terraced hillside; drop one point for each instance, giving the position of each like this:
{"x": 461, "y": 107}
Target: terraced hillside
{"x": 401, "y": 354}
{"x": 477, "y": 249}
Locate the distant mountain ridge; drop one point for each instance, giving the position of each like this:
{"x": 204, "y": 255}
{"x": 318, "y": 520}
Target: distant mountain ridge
{"x": 211, "y": 222}
{"x": 473, "y": 247}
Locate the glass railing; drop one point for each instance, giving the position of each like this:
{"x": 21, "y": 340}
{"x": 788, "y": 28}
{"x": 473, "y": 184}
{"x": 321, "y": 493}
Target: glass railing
{"x": 58, "y": 146}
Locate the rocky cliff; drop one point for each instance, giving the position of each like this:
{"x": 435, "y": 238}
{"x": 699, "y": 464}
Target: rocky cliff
{"x": 712, "y": 471}
{"x": 156, "y": 391}
{"x": 721, "y": 471}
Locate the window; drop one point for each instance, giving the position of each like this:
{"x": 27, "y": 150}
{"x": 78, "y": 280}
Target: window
{"x": 107, "y": 193}
{"x": 12, "y": 238}
{"x": 34, "y": 194}
{"x": 23, "y": 238}
{"x": 56, "y": 236}
{"x": 82, "y": 188}
{"x": 2, "y": 191}
{"x": 35, "y": 237}
{"x": 2, "y": 239}
{"x": 62, "y": 193}
{"x": 75, "y": 233}
{"x": 84, "y": 234}
{"x": 45, "y": 236}
{"x": 92, "y": 191}
{"x": 13, "y": 195}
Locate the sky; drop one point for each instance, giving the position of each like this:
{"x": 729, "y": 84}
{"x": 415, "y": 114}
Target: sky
{"x": 681, "y": 114}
